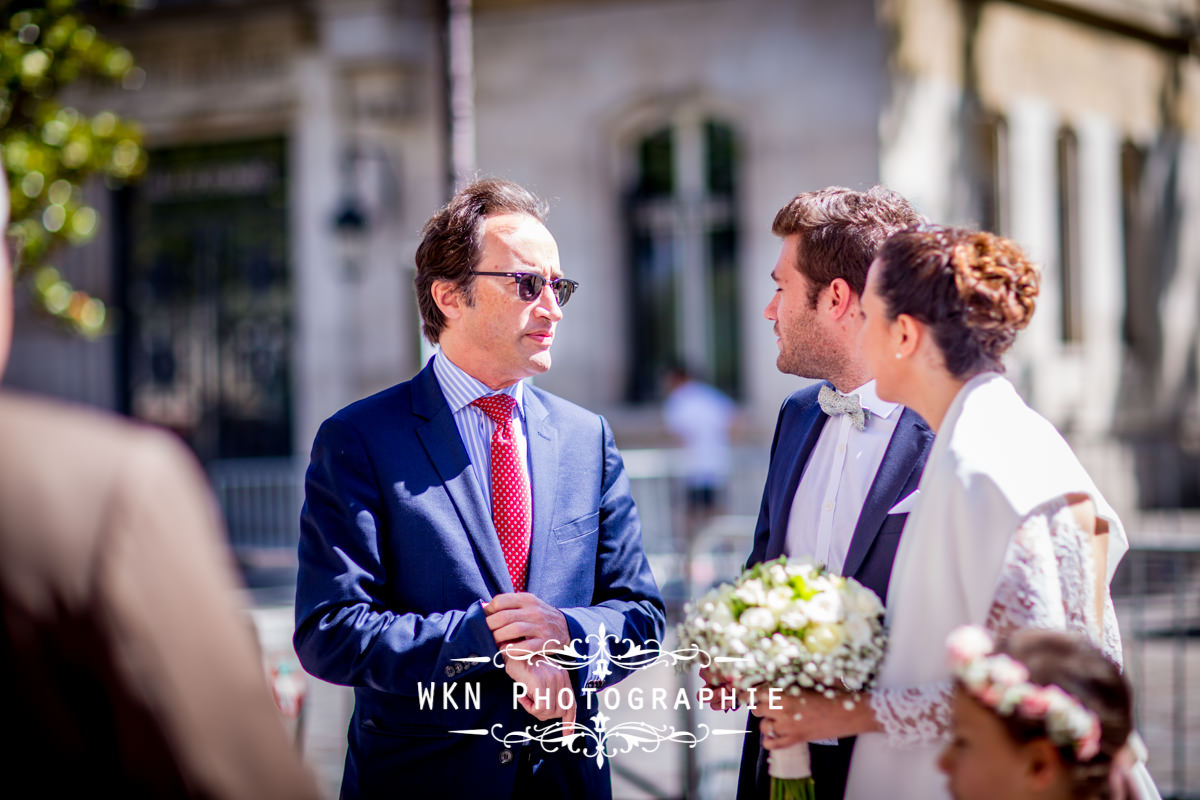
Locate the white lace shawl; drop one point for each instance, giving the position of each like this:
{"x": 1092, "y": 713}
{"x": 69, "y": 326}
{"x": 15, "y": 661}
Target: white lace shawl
{"x": 997, "y": 469}
{"x": 1047, "y": 581}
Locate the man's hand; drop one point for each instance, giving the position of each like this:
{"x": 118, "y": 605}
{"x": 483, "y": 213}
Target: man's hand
{"x": 789, "y": 719}
{"x": 526, "y": 620}
{"x": 720, "y": 695}
{"x": 544, "y": 687}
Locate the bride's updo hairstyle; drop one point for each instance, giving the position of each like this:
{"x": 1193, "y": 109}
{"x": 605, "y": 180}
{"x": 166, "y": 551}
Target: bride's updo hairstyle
{"x": 973, "y": 289}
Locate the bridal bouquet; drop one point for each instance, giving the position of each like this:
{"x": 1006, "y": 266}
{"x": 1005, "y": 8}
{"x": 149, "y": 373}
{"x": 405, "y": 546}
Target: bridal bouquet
{"x": 791, "y": 625}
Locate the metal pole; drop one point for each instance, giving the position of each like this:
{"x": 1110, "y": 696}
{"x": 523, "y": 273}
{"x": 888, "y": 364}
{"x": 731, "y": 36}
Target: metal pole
{"x": 459, "y": 73}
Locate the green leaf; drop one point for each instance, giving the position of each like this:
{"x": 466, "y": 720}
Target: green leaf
{"x": 51, "y": 151}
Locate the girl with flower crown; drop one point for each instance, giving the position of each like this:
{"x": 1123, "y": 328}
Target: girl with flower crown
{"x": 1008, "y": 530}
{"x": 1042, "y": 714}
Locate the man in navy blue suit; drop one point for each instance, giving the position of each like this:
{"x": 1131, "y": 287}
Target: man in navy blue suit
{"x": 465, "y": 513}
{"x": 844, "y": 464}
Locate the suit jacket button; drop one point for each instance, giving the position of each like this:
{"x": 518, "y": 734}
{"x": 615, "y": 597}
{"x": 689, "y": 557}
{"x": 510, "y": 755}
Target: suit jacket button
{"x": 449, "y": 670}
{"x": 506, "y": 756}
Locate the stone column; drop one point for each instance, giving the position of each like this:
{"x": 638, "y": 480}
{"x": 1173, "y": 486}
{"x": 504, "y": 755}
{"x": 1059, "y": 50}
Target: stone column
{"x": 322, "y": 374}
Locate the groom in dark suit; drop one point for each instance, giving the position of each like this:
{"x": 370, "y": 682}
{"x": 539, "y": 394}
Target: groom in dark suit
{"x": 843, "y": 462}
{"x": 465, "y": 513}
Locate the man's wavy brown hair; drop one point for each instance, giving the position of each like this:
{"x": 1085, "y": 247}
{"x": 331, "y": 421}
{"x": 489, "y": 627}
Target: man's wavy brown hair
{"x": 840, "y": 231}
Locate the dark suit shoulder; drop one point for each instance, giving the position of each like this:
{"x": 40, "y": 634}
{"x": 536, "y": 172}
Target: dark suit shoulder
{"x": 389, "y": 400}
{"x": 801, "y": 400}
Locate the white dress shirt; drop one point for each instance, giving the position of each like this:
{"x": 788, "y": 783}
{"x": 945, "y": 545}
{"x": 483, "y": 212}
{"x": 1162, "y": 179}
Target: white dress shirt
{"x": 476, "y": 427}
{"x": 701, "y": 415}
{"x": 835, "y": 482}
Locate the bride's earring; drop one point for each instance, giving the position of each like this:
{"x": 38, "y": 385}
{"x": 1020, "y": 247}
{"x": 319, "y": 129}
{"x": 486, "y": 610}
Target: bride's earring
{"x": 898, "y": 356}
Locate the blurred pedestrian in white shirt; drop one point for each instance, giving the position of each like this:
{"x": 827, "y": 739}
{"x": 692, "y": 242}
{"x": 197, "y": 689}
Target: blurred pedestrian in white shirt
{"x": 701, "y": 417}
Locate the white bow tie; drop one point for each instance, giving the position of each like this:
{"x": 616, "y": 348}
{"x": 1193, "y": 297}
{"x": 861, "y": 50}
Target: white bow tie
{"x": 834, "y": 403}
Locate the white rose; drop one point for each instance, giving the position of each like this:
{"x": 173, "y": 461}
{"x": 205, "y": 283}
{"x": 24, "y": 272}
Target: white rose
{"x": 825, "y": 608}
{"x": 757, "y": 619}
{"x": 793, "y": 617}
{"x": 861, "y": 600}
{"x": 721, "y": 615}
{"x": 779, "y": 598}
{"x": 858, "y": 631}
{"x": 823, "y": 639}
{"x": 751, "y": 593}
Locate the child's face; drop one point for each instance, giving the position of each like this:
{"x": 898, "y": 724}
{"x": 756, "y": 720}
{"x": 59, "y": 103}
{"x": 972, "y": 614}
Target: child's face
{"x": 981, "y": 761}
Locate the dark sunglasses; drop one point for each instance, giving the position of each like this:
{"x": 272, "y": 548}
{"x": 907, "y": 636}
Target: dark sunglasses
{"x": 529, "y": 285}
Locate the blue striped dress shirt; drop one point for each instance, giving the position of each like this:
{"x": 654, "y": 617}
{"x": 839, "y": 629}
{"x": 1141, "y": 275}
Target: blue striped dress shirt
{"x": 475, "y": 427}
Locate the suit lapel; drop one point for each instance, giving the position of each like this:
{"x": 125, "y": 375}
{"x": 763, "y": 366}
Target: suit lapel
{"x": 794, "y": 453}
{"x": 543, "y": 468}
{"x": 899, "y": 461}
{"x": 443, "y": 444}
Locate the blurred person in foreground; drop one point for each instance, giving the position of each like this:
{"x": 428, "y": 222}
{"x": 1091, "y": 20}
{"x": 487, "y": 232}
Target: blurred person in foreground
{"x": 1009, "y": 530}
{"x": 466, "y": 513}
{"x": 1038, "y": 714}
{"x": 844, "y": 463}
{"x": 701, "y": 417}
{"x": 127, "y": 668}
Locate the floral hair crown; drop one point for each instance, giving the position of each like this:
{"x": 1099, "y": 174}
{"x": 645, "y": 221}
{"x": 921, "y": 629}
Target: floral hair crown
{"x": 1002, "y": 684}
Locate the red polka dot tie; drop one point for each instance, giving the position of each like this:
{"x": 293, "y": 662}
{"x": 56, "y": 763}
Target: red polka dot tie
{"x": 511, "y": 506}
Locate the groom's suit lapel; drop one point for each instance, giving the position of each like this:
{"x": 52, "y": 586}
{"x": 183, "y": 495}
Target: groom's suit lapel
{"x": 440, "y": 437}
{"x": 793, "y": 453}
{"x": 900, "y": 460}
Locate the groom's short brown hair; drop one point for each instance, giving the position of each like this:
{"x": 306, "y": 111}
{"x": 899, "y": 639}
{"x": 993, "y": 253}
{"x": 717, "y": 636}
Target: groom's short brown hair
{"x": 841, "y": 230}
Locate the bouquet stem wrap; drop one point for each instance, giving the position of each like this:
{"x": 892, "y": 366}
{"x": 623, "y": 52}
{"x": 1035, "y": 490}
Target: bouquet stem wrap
{"x": 791, "y": 775}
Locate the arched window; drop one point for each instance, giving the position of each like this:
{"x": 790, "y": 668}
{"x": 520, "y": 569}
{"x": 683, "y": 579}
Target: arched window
{"x": 681, "y": 220}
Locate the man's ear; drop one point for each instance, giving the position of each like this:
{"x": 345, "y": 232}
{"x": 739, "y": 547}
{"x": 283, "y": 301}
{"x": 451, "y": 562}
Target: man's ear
{"x": 449, "y": 298}
{"x": 841, "y": 297}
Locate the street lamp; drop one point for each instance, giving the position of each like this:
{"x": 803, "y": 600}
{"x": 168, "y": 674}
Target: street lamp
{"x": 350, "y": 223}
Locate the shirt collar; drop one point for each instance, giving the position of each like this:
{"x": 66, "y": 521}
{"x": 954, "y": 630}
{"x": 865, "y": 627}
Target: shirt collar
{"x": 461, "y": 389}
{"x": 869, "y": 400}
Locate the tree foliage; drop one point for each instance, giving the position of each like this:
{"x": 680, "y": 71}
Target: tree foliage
{"x": 50, "y": 149}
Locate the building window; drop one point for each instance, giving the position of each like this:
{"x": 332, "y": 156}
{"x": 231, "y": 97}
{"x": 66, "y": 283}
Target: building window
{"x": 683, "y": 244}
{"x": 991, "y": 145}
{"x": 1069, "y": 269}
{"x": 1138, "y": 330}
{"x": 208, "y": 303}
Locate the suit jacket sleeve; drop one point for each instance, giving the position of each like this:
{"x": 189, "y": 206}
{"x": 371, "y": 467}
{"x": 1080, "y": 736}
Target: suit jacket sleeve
{"x": 348, "y": 630}
{"x": 626, "y": 600}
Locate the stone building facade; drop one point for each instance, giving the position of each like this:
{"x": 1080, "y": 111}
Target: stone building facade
{"x": 665, "y": 134}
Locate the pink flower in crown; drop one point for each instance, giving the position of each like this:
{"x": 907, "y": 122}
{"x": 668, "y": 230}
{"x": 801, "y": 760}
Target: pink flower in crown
{"x": 991, "y": 695}
{"x": 1087, "y": 747}
{"x": 1035, "y": 704}
{"x": 1007, "y": 671}
{"x": 1057, "y": 700}
{"x": 967, "y": 643}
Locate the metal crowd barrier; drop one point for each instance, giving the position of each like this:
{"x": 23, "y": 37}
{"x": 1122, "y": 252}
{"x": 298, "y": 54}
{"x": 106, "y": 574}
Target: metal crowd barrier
{"x": 1156, "y": 589}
